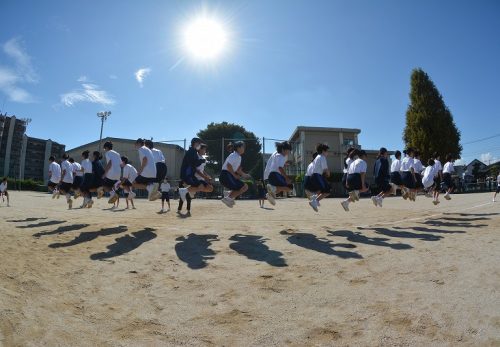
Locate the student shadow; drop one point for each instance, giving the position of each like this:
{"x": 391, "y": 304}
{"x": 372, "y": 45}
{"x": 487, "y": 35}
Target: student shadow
{"x": 374, "y": 241}
{"x": 183, "y": 215}
{"x": 61, "y": 229}
{"x": 439, "y": 223}
{"x": 126, "y": 244}
{"x": 31, "y": 219}
{"x": 404, "y": 234}
{"x": 461, "y": 219}
{"x": 268, "y": 208}
{"x": 312, "y": 242}
{"x": 254, "y": 247}
{"x": 473, "y": 214}
{"x": 430, "y": 230}
{"x": 89, "y": 236}
{"x": 41, "y": 224}
{"x": 195, "y": 250}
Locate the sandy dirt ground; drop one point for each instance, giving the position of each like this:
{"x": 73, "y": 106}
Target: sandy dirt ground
{"x": 407, "y": 274}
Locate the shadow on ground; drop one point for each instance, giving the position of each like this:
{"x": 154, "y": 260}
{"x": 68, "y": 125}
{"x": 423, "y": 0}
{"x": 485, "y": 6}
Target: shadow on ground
{"x": 312, "y": 242}
{"x": 41, "y": 224}
{"x": 61, "y": 230}
{"x": 89, "y": 236}
{"x": 195, "y": 250}
{"x": 374, "y": 241}
{"x": 126, "y": 244}
{"x": 254, "y": 247}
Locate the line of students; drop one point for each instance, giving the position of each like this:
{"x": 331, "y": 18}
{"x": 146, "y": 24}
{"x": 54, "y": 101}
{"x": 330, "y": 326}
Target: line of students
{"x": 407, "y": 174}
{"x": 90, "y": 176}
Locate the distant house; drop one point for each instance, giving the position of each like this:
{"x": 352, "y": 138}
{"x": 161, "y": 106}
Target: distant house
{"x": 468, "y": 170}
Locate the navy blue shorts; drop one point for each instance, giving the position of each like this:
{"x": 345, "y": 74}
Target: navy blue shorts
{"x": 418, "y": 179}
{"x": 193, "y": 181}
{"x": 396, "y": 178}
{"x": 319, "y": 183}
{"x": 344, "y": 180}
{"x": 498, "y": 189}
{"x": 448, "y": 181}
{"x": 65, "y": 187}
{"x": 108, "y": 183}
{"x": 308, "y": 184}
{"x": 165, "y": 196}
{"x": 276, "y": 179}
{"x": 77, "y": 182}
{"x": 229, "y": 181}
{"x": 437, "y": 183}
{"x": 383, "y": 184}
{"x": 127, "y": 183}
{"x": 408, "y": 181}
{"x": 144, "y": 180}
{"x": 354, "y": 182}
{"x": 52, "y": 184}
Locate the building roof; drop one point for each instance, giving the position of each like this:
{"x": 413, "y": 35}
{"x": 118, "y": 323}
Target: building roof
{"x": 117, "y": 139}
{"x": 308, "y": 128}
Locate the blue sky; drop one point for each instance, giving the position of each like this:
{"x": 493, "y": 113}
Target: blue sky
{"x": 288, "y": 63}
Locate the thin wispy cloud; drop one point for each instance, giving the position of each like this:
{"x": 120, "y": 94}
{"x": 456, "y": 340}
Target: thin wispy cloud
{"x": 83, "y": 79}
{"x": 488, "y": 158}
{"x": 22, "y": 72}
{"x": 141, "y": 74}
{"x": 113, "y": 77}
{"x": 88, "y": 93}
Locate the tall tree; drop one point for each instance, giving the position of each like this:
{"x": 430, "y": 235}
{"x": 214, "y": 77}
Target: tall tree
{"x": 429, "y": 123}
{"x": 213, "y": 135}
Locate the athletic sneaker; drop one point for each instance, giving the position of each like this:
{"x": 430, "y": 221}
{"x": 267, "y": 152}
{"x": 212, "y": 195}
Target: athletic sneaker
{"x": 345, "y": 205}
{"x": 271, "y": 190}
{"x": 271, "y": 199}
{"x": 447, "y": 196}
{"x": 152, "y": 193}
{"x": 380, "y": 200}
{"x": 494, "y": 200}
{"x": 228, "y": 201}
{"x": 182, "y": 193}
{"x": 374, "y": 200}
{"x": 314, "y": 204}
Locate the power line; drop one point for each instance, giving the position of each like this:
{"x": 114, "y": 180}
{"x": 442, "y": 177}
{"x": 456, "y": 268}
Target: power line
{"x": 480, "y": 140}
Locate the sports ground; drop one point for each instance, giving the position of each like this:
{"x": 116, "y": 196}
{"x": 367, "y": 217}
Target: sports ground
{"x": 407, "y": 274}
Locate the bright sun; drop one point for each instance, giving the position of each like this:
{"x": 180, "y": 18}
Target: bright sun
{"x": 205, "y": 38}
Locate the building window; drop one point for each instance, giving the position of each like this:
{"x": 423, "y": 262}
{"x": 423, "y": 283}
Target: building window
{"x": 348, "y": 142}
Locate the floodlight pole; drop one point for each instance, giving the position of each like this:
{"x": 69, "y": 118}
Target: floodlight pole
{"x": 103, "y": 115}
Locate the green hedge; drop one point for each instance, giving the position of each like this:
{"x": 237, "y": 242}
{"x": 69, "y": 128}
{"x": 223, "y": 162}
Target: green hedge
{"x": 29, "y": 184}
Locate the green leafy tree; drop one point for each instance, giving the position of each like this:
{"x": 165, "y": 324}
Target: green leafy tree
{"x": 429, "y": 123}
{"x": 213, "y": 135}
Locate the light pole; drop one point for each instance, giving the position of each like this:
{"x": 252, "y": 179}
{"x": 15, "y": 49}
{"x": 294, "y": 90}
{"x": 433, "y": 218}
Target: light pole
{"x": 103, "y": 115}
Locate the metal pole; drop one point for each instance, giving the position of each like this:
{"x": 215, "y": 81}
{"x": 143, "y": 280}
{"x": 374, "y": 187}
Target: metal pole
{"x": 100, "y": 137}
{"x": 222, "y": 155}
{"x": 263, "y": 156}
{"x": 184, "y": 145}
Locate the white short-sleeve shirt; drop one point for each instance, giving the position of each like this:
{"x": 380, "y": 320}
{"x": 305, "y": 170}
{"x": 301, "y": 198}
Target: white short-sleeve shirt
{"x": 357, "y": 166}
{"x": 498, "y": 180}
{"x": 276, "y": 161}
{"x": 348, "y": 162}
{"x": 234, "y": 159}
{"x": 77, "y": 169}
{"x": 87, "y": 166}
{"x": 417, "y": 165}
{"x": 129, "y": 173}
{"x": 158, "y": 155}
{"x": 149, "y": 170}
{"x": 114, "y": 172}
{"x": 437, "y": 167}
{"x": 448, "y": 168}
{"x": 165, "y": 187}
{"x": 3, "y": 187}
{"x": 67, "y": 167}
{"x": 428, "y": 178}
{"x": 200, "y": 168}
{"x": 55, "y": 170}
{"x": 396, "y": 165}
{"x": 407, "y": 164}
{"x": 320, "y": 164}
{"x": 310, "y": 169}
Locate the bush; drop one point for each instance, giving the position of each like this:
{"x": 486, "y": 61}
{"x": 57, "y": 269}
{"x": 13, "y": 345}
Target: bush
{"x": 28, "y": 184}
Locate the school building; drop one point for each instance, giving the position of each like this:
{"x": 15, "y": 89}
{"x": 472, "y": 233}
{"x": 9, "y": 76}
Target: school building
{"x": 173, "y": 153}
{"x": 21, "y": 156}
{"x": 304, "y": 140}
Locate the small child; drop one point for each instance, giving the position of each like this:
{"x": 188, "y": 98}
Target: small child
{"x": 3, "y": 190}
{"x": 165, "y": 189}
{"x": 428, "y": 179}
{"x": 261, "y": 191}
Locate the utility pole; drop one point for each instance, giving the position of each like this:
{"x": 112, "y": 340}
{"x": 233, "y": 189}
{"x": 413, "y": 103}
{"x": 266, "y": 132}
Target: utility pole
{"x": 103, "y": 115}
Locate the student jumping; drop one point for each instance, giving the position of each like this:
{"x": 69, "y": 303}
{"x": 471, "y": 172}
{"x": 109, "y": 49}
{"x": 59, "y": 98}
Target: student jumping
{"x": 54, "y": 177}
{"x": 382, "y": 177}
{"x": 231, "y": 174}
{"x": 159, "y": 158}
{"x": 448, "y": 170}
{"x": 356, "y": 175}
{"x": 5, "y": 193}
{"x": 408, "y": 175}
{"x": 66, "y": 180}
{"x": 320, "y": 172}
{"x": 146, "y": 172}
{"x": 275, "y": 174}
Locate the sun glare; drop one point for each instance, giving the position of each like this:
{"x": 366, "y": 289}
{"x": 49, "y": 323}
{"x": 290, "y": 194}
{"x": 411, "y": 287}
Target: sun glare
{"x": 205, "y": 38}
